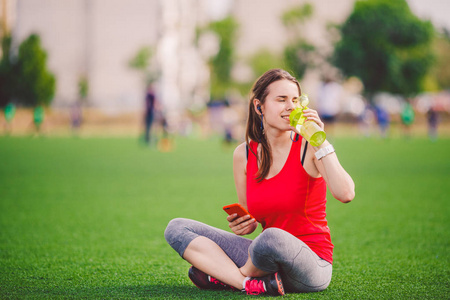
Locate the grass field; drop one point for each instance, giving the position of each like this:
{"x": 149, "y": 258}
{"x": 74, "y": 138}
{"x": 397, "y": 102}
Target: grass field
{"x": 84, "y": 218}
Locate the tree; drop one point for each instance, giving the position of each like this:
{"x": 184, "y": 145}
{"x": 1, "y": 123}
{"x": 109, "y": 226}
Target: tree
{"x": 298, "y": 57}
{"x": 298, "y": 54}
{"x": 386, "y": 46}
{"x": 142, "y": 62}
{"x": 263, "y": 60}
{"x": 440, "y": 70}
{"x": 35, "y": 83}
{"x": 7, "y": 70}
{"x": 222, "y": 62}
{"x": 83, "y": 88}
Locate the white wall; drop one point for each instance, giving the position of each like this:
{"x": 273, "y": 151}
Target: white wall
{"x": 93, "y": 37}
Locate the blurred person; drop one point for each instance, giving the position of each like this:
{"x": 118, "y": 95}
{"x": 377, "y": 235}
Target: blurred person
{"x": 165, "y": 144}
{"x": 76, "y": 116}
{"x": 283, "y": 183}
{"x": 432, "y": 120}
{"x": 216, "y": 109}
{"x": 367, "y": 119}
{"x": 230, "y": 119}
{"x": 383, "y": 120}
{"x": 38, "y": 118}
{"x": 9, "y": 111}
{"x": 150, "y": 104}
{"x": 407, "y": 116}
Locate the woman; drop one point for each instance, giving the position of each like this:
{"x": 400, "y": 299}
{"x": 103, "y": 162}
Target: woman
{"x": 282, "y": 181}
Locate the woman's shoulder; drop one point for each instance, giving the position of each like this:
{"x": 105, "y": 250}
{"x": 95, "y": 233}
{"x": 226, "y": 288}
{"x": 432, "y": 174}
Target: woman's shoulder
{"x": 240, "y": 152}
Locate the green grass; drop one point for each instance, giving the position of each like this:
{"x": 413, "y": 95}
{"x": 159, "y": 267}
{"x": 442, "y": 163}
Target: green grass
{"x": 84, "y": 218}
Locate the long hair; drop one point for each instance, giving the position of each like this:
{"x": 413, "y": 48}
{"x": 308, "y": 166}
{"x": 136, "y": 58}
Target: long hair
{"x": 254, "y": 131}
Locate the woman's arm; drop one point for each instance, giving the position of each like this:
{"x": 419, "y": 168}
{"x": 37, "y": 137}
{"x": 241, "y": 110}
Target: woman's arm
{"x": 240, "y": 173}
{"x": 339, "y": 182}
{"x": 245, "y": 224}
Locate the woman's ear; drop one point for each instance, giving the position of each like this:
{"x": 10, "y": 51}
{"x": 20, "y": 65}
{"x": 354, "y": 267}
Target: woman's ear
{"x": 257, "y": 106}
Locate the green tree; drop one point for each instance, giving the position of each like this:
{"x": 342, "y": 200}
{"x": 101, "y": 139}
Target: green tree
{"x": 142, "y": 62}
{"x": 35, "y": 83}
{"x": 298, "y": 56}
{"x": 7, "y": 72}
{"x": 299, "y": 53}
{"x": 263, "y": 60}
{"x": 386, "y": 46}
{"x": 83, "y": 88}
{"x": 222, "y": 62}
{"x": 440, "y": 71}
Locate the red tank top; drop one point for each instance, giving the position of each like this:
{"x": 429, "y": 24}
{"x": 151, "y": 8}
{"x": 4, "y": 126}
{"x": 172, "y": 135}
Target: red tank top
{"x": 291, "y": 200}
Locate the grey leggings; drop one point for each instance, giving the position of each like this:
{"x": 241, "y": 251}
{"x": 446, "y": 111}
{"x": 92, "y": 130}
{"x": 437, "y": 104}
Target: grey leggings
{"x": 274, "y": 250}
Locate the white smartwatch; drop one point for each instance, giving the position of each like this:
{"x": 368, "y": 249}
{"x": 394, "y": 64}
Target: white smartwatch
{"x": 321, "y": 153}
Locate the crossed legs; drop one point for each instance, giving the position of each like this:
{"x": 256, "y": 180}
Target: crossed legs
{"x": 225, "y": 256}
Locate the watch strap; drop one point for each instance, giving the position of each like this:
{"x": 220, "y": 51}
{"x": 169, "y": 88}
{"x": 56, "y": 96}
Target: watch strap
{"x": 321, "y": 153}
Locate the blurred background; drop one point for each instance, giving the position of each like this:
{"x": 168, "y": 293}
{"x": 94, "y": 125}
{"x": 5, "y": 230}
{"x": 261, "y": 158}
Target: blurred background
{"x": 160, "y": 68}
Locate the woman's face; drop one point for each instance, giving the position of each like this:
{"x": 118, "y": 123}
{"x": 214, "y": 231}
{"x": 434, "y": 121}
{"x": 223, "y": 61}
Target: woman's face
{"x": 283, "y": 97}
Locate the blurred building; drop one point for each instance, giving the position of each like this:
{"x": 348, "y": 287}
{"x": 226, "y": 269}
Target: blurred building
{"x": 98, "y": 38}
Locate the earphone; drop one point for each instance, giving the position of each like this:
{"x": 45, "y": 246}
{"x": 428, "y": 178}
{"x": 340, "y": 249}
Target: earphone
{"x": 258, "y": 107}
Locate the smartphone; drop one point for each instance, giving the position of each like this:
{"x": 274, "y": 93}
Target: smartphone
{"x": 236, "y": 208}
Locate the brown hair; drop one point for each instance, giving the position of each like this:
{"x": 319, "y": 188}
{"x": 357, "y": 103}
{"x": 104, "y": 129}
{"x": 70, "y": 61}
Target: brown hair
{"x": 260, "y": 91}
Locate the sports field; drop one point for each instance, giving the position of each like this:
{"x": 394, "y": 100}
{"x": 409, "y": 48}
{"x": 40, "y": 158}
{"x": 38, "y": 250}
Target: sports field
{"x": 84, "y": 218}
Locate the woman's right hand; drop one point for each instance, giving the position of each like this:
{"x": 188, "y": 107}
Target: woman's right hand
{"x": 242, "y": 225}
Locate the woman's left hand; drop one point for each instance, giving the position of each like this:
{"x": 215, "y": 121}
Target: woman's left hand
{"x": 312, "y": 115}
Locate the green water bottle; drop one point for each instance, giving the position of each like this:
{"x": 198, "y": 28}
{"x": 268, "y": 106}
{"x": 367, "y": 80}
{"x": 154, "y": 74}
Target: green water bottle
{"x": 308, "y": 129}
